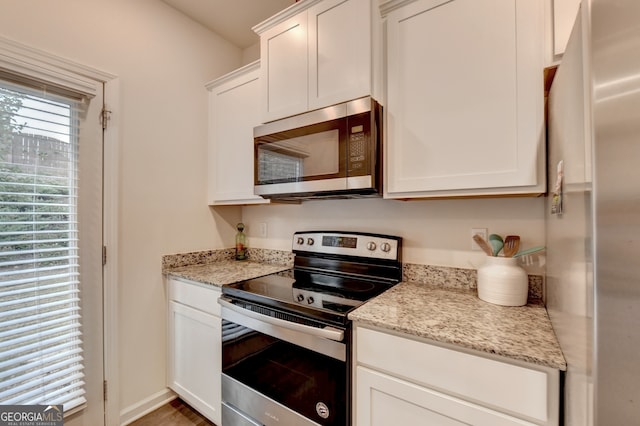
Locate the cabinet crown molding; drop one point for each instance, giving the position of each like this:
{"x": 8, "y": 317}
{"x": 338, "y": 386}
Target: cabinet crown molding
{"x": 233, "y": 74}
{"x": 287, "y": 13}
{"x": 388, "y": 6}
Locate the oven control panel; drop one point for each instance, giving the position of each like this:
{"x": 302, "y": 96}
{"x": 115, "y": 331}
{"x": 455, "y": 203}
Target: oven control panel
{"x": 350, "y": 244}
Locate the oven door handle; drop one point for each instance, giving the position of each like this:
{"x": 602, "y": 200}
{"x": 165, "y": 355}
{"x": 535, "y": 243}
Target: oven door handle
{"x": 327, "y": 332}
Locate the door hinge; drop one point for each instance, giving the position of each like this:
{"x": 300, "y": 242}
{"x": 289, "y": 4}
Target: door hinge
{"x": 104, "y": 389}
{"x": 105, "y": 116}
{"x": 104, "y": 255}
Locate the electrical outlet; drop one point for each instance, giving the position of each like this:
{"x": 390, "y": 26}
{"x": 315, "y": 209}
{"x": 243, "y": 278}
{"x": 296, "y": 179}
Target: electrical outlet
{"x": 262, "y": 226}
{"x": 478, "y": 231}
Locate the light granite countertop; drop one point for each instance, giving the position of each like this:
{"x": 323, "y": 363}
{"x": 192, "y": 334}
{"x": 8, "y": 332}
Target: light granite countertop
{"x": 459, "y": 317}
{"x": 225, "y": 271}
{"x": 440, "y": 305}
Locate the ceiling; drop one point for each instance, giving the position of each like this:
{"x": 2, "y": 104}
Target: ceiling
{"x": 231, "y": 19}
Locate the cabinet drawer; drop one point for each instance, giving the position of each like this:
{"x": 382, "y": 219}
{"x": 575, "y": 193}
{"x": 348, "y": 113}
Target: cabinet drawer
{"x": 507, "y": 387}
{"x": 198, "y": 296}
{"x": 386, "y": 400}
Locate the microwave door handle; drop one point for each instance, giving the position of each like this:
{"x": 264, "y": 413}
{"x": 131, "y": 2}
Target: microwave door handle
{"x": 326, "y": 332}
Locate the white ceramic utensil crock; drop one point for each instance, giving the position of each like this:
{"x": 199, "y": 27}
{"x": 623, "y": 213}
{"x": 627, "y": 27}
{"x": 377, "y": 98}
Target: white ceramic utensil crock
{"x": 502, "y": 282}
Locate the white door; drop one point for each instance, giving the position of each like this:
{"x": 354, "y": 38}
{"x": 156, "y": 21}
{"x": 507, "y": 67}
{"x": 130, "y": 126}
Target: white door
{"x": 51, "y": 282}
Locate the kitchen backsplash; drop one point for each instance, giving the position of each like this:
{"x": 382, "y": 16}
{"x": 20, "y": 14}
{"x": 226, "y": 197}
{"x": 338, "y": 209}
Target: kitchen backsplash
{"x": 278, "y": 257}
{"x": 170, "y": 261}
{"x": 443, "y": 276}
{"x": 425, "y": 274}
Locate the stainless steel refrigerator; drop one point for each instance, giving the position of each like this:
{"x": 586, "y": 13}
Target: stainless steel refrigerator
{"x": 593, "y": 229}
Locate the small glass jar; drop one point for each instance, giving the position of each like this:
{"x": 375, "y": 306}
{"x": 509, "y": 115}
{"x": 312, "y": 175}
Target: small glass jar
{"x": 503, "y": 282}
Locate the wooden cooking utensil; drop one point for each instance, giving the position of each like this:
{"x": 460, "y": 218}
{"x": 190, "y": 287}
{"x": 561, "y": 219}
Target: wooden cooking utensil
{"x": 483, "y": 244}
{"x": 511, "y": 245}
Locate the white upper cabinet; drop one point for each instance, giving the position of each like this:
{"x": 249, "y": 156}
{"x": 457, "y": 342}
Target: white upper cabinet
{"x": 233, "y": 113}
{"x": 465, "y": 98}
{"x": 315, "y": 54}
{"x": 339, "y": 36}
{"x": 283, "y": 52}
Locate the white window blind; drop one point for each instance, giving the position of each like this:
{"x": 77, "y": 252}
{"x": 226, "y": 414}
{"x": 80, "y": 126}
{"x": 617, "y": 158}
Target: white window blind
{"x": 40, "y": 335}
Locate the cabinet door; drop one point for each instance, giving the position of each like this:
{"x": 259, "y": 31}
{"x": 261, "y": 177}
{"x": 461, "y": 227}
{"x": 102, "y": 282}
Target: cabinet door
{"x": 234, "y": 112}
{"x": 283, "y": 51}
{"x": 195, "y": 358}
{"x": 465, "y": 98}
{"x": 526, "y": 392}
{"x": 383, "y": 400}
{"x": 339, "y": 34}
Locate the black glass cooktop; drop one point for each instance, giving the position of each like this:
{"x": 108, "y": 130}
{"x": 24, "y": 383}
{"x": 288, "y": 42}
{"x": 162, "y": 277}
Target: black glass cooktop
{"x": 318, "y": 295}
{"x": 334, "y": 272}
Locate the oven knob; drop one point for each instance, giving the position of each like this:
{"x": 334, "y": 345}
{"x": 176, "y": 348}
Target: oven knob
{"x": 322, "y": 410}
{"x": 300, "y": 241}
{"x": 310, "y": 241}
{"x": 310, "y": 300}
{"x": 371, "y": 246}
{"x": 385, "y": 247}
{"x": 300, "y": 298}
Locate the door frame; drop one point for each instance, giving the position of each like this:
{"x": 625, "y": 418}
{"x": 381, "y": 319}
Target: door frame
{"x": 43, "y": 66}
{"x": 110, "y": 185}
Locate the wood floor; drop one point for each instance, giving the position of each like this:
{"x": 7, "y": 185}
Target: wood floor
{"x": 175, "y": 413}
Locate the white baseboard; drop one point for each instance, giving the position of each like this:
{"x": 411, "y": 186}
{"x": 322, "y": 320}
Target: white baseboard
{"x": 147, "y": 405}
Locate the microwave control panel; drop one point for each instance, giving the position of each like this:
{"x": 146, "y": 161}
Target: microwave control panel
{"x": 358, "y": 145}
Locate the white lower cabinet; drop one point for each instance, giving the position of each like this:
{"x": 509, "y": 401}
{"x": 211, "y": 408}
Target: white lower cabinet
{"x": 399, "y": 380}
{"x": 195, "y": 346}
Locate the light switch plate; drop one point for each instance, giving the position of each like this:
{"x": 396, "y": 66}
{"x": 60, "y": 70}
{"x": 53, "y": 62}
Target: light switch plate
{"x": 478, "y": 231}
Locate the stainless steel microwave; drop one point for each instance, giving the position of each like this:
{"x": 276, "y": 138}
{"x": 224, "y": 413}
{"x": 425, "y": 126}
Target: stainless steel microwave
{"x": 334, "y": 152}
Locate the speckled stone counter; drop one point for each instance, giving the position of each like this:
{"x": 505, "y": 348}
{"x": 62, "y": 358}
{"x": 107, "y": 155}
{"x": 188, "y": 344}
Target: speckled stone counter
{"x": 436, "y": 303}
{"x": 225, "y": 271}
{"x": 217, "y": 267}
{"x": 458, "y": 317}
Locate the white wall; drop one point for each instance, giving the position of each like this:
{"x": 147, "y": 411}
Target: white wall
{"x": 435, "y": 232}
{"x": 162, "y": 60}
{"x": 251, "y": 53}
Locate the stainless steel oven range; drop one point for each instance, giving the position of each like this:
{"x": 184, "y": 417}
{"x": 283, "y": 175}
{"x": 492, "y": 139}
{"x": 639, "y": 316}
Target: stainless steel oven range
{"x": 286, "y": 338}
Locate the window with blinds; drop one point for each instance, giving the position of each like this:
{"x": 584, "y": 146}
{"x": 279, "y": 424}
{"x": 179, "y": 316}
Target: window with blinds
{"x": 41, "y": 359}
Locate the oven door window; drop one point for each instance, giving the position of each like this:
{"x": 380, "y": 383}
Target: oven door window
{"x": 297, "y": 378}
{"x": 308, "y": 153}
